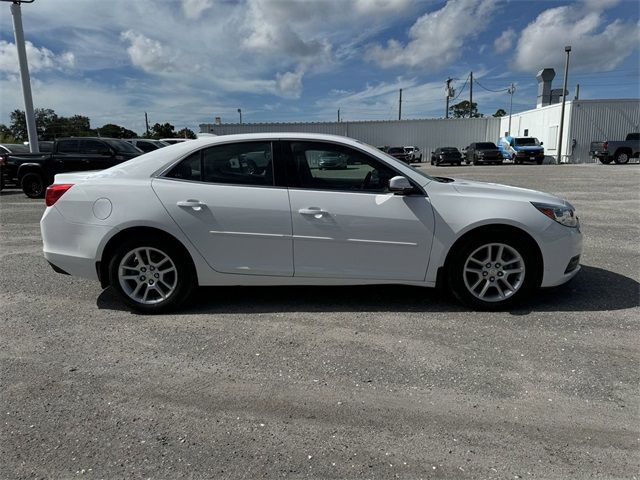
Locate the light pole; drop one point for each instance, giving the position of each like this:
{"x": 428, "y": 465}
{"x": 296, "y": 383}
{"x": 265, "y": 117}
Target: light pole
{"x": 18, "y": 32}
{"x": 511, "y": 91}
{"x": 564, "y": 98}
{"x": 240, "y": 113}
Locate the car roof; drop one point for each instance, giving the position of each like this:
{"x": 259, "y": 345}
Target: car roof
{"x": 152, "y": 162}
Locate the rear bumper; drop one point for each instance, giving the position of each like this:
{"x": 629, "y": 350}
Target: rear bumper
{"x": 71, "y": 247}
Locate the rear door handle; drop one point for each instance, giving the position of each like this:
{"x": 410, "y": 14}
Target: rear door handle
{"x": 195, "y": 204}
{"x": 317, "y": 212}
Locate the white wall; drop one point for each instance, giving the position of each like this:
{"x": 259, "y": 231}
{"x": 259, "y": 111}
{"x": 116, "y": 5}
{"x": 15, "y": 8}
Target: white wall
{"x": 427, "y": 134}
{"x": 585, "y": 121}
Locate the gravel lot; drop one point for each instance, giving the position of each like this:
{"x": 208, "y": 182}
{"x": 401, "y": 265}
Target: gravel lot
{"x": 349, "y": 382}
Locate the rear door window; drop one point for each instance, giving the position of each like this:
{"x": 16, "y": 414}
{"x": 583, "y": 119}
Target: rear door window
{"x": 68, "y": 146}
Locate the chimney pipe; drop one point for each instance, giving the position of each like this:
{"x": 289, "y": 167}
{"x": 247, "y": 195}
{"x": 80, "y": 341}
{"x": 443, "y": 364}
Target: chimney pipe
{"x": 544, "y": 77}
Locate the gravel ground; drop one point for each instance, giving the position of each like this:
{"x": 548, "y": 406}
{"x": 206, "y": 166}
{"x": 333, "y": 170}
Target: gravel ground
{"x": 348, "y": 382}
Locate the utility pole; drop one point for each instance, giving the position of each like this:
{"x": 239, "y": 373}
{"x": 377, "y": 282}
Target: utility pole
{"x": 338, "y": 115}
{"x": 240, "y": 113}
{"x": 567, "y": 49}
{"x": 446, "y": 110}
{"x": 471, "y": 95}
{"x": 577, "y": 97}
{"x": 146, "y": 122}
{"x": 400, "y": 106}
{"x": 511, "y": 91}
{"x": 18, "y": 32}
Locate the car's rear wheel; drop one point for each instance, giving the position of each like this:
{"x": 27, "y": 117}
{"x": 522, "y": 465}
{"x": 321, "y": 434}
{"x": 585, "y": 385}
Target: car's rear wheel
{"x": 605, "y": 160}
{"x": 151, "y": 276}
{"x": 493, "y": 271}
{"x": 33, "y": 185}
{"x": 622, "y": 158}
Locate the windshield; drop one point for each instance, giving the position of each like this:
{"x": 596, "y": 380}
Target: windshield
{"x": 449, "y": 149}
{"x": 485, "y": 146}
{"x": 121, "y": 146}
{"x": 395, "y": 150}
{"x": 527, "y": 142}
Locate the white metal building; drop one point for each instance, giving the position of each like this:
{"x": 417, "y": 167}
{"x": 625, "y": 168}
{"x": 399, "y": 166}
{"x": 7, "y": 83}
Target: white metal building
{"x": 427, "y": 134}
{"x": 584, "y": 121}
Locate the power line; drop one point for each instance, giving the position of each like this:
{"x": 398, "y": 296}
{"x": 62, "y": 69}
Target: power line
{"x": 490, "y": 90}
{"x": 462, "y": 89}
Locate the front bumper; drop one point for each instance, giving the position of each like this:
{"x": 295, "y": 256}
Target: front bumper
{"x": 559, "y": 251}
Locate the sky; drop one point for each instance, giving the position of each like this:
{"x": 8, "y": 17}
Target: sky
{"x": 188, "y": 61}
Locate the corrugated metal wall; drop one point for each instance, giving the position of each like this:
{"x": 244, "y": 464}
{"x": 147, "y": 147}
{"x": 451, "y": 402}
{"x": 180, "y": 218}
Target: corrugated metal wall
{"x": 585, "y": 121}
{"x": 427, "y": 134}
{"x": 593, "y": 120}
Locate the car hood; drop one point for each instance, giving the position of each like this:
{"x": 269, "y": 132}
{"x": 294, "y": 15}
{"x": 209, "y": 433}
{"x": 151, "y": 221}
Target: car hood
{"x": 506, "y": 192}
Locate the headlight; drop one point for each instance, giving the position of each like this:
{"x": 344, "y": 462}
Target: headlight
{"x": 560, "y": 213}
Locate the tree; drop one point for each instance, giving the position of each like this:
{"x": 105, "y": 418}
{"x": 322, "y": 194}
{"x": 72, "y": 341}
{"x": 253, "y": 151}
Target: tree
{"x": 115, "y": 131}
{"x": 500, "y": 113}
{"x": 186, "y": 133}
{"x": 5, "y": 134}
{"x": 461, "y": 110}
{"x": 163, "y": 131}
{"x": 49, "y": 125}
{"x": 45, "y": 118}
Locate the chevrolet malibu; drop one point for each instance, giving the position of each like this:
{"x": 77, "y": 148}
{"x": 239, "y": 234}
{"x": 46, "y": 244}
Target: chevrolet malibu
{"x": 257, "y": 210}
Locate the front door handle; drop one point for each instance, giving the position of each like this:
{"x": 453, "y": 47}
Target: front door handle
{"x": 317, "y": 212}
{"x": 195, "y": 204}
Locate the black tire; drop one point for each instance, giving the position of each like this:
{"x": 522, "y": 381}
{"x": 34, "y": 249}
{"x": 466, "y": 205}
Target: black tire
{"x": 622, "y": 158}
{"x": 33, "y": 185}
{"x": 433, "y": 162}
{"x": 539, "y": 161}
{"x": 456, "y": 265}
{"x": 185, "y": 277}
{"x": 606, "y": 160}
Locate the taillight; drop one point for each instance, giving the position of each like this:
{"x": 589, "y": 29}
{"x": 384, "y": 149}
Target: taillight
{"x": 3, "y": 160}
{"x": 605, "y": 145}
{"x": 54, "y": 192}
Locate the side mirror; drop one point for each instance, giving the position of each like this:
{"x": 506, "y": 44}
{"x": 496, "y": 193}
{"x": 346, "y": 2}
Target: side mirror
{"x": 541, "y": 143}
{"x": 400, "y": 185}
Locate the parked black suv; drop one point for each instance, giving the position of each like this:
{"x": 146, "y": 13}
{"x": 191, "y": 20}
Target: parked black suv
{"x": 483, "y": 152}
{"x": 34, "y": 172}
{"x": 446, "y": 155}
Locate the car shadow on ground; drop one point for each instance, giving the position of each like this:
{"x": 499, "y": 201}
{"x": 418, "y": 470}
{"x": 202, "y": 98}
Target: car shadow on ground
{"x": 593, "y": 289}
{"x": 4, "y": 192}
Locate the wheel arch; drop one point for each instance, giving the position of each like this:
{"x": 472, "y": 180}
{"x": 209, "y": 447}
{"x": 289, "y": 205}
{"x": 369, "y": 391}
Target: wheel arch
{"x": 493, "y": 228}
{"x": 102, "y": 265}
{"x": 626, "y": 150}
{"x": 30, "y": 168}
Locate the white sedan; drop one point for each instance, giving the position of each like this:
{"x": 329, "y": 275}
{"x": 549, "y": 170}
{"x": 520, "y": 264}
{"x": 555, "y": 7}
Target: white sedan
{"x": 258, "y": 210}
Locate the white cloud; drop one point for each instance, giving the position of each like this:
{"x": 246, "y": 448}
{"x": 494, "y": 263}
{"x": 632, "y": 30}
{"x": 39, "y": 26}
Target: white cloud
{"x": 289, "y": 84}
{"x": 148, "y": 54}
{"x": 193, "y": 9}
{"x": 595, "y": 46}
{"x": 436, "y": 38}
{"x": 376, "y": 7}
{"x": 505, "y": 41}
{"x": 38, "y": 58}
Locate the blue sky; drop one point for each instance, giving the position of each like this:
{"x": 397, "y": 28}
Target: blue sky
{"x": 188, "y": 61}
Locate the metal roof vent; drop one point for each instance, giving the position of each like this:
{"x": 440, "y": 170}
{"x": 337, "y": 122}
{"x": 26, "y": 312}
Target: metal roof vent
{"x": 545, "y": 77}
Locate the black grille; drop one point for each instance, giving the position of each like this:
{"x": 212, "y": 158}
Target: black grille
{"x": 573, "y": 264}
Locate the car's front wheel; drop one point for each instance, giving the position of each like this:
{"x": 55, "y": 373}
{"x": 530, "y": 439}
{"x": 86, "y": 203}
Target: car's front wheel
{"x": 493, "y": 271}
{"x": 151, "y": 276}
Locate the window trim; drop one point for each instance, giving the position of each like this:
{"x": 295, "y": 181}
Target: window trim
{"x": 165, "y": 171}
{"x": 293, "y": 185}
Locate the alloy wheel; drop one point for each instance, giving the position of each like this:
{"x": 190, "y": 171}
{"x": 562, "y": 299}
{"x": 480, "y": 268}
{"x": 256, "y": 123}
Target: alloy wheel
{"x": 494, "y": 272}
{"x": 147, "y": 275}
